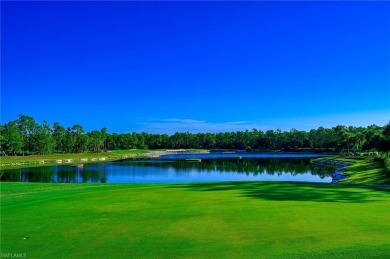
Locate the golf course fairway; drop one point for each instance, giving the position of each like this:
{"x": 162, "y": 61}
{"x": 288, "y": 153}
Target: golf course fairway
{"x": 213, "y": 220}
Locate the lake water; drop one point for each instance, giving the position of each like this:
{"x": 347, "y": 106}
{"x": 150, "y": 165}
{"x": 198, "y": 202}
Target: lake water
{"x": 175, "y": 169}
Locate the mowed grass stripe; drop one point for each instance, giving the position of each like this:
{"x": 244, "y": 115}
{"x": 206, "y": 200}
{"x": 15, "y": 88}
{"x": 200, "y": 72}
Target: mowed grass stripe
{"x": 226, "y": 219}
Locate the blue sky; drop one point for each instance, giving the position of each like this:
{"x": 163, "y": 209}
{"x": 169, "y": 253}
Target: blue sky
{"x": 162, "y": 67}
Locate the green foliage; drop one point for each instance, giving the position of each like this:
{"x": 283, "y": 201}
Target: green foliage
{"x": 43, "y": 140}
{"x": 11, "y": 139}
{"x": 387, "y": 164}
{"x": 59, "y": 135}
{"x": 27, "y": 127}
{"x": 36, "y": 139}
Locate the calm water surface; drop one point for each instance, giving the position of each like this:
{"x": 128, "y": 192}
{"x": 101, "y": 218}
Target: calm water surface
{"x": 175, "y": 169}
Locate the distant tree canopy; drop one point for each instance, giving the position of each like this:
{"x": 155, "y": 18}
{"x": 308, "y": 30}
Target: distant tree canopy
{"x": 26, "y": 136}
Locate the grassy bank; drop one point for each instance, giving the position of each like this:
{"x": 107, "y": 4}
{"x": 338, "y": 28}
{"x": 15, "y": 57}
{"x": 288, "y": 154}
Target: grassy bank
{"x": 213, "y": 220}
{"x": 363, "y": 170}
{"x": 7, "y": 162}
{"x": 14, "y": 162}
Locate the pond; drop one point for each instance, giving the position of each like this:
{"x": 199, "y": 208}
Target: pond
{"x": 182, "y": 168}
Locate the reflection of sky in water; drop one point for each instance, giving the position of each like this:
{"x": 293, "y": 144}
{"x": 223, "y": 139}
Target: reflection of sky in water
{"x": 171, "y": 175}
{"x": 164, "y": 171}
{"x": 196, "y": 177}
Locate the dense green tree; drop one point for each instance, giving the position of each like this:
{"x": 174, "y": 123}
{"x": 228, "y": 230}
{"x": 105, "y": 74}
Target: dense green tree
{"x": 12, "y": 139}
{"x": 359, "y": 140}
{"x": 80, "y": 139}
{"x": 43, "y": 140}
{"x": 59, "y": 134}
{"x": 96, "y": 141}
{"x": 296, "y": 139}
{"x": 384, "y": 144}
{"x": 104, "y": 136}
{"x": 3, "y": 139}
{"x": 272, "y": 139}
{"x": 27, "y": 127}
{"x": 321, "y": 138}
{"x": 342, "y": 137}
{"x": 69, "y": 141}
{"x": 224, "y": 140}
{"x": 111, "y": 142}
{"x": 206, "y": 140}
{"x": 372, "y": 136}
{"x": 386, "y": 131}
{"x": 259, "y": 139}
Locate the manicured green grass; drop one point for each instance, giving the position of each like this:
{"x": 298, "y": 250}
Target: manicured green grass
{"x": 129, "y": 151}
{"x": 363, "y": 170}
{"x": 367, "y": 171}
{"x": 203, "y": 220}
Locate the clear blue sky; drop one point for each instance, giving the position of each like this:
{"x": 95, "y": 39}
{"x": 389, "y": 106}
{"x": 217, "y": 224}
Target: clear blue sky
{"x": 162, "y": 67}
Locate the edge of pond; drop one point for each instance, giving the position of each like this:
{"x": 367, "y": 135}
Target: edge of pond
{"x": 339, "y": 173}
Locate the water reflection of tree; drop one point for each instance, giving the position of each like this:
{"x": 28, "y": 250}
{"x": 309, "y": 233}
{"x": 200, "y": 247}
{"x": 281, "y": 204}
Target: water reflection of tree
{"x": 55, "y": 174}
{"x": 94, "y": 176}
{"x": 14, "y": 175}
{"x": 271, "y": 166}
{"x": 80, "y": 175}
{"x": 39, "y": 174}
{"x": 67, "y": 175}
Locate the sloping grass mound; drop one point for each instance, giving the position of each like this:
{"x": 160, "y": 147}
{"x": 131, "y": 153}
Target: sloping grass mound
{"x": 362, "y": 170}
{"x": 367, "y": 171}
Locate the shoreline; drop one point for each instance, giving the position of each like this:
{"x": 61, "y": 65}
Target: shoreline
{"x": 20, "y": 162}
{"x": 339, "y": 173}
{"x": 156, "y": 154}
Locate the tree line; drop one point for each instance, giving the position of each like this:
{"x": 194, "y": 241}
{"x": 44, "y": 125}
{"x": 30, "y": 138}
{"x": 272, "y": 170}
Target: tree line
{"x": 24, "y": 136}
